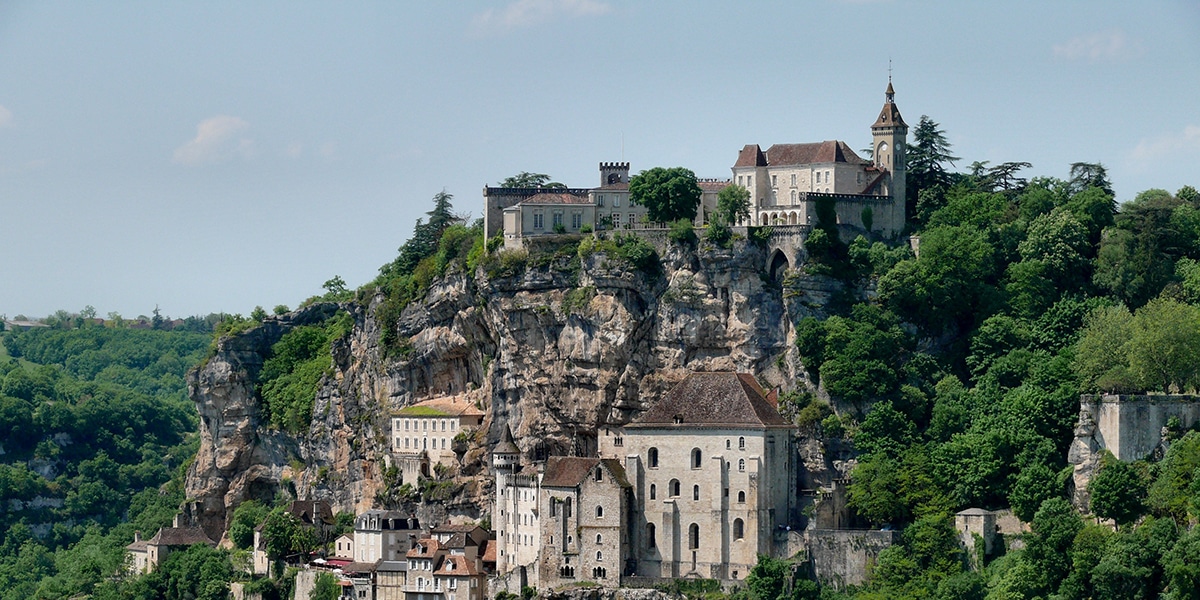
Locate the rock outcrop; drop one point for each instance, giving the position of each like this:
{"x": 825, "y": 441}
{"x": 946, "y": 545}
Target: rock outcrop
{"x": 554, "y": 352}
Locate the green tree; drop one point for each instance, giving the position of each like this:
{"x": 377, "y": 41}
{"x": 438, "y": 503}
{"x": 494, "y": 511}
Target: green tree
{"x": 525, "y": 179}
{"x": 928, "y": 154}
{"x": 1175, "y": 491}
{"x": 246, "y": 517}
{"x": 668, "y": 194}
{"x": 733, "y": 204}
{"x": 1102, "y": 355}
{"x": 326, "y": 588}
{"x": 1181, "y": 567}
{"x": 1089, "y": 175}
{"x": 768, "y": 579}
{"x": 1164, "y": 346}
{"x": 1054, "y": 526}
{"x": 1118, "y": 491}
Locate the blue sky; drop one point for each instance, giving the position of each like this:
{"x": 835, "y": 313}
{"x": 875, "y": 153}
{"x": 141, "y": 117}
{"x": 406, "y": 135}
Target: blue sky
{"x": 214, "y": 156}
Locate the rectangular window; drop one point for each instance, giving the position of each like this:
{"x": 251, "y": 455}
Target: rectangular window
{"x": 576, "y": 220}
{"x": 739, "y": 180}
{"x": 859, "y": 177}
{"x": 793, "y": 180}
{"x": 406, "y": 424}
{"x": 405, "y": 442}
{"x": 774, "y": 181}
{"x": 631, "y": 219}
{"x": 558, "y": 218}
{"x": 600, "y": 200}
{"x": 616, "y": 220}
{"x": 616, "y": 201}
{"x": 537, "y": 220}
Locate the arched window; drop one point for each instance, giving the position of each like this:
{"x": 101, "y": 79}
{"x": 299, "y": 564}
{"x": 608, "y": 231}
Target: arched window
{"x": 695, "y": 492}
{"x": 696, "y": 456}
{"x": 650, "y": 541}
{"x": 741, "y": 443}
{"x": 693, "y": 536}
{"x": 553, "y": 507}
{"x": 653, "y": 491}
{"x": 741, "y": 497}
{"x": 599, "y": 555}
{"x": 728, "y": 444}
{"x": 599, "y": 539}
{"x": 674, "y": 491}
{"x": 652, "y": 458}
{"x": 599, "y": 511}
{"x": 741, "y": 464}
{"x": 738, "y": 529}
{"x": 567, "y": 509}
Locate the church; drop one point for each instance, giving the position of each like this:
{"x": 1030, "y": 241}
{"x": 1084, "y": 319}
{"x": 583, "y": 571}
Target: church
{"x": 696, "y": 487}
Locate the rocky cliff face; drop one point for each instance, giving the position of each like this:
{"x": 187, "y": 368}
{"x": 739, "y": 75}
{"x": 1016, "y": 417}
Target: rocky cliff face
{"x": 553, "y": 353}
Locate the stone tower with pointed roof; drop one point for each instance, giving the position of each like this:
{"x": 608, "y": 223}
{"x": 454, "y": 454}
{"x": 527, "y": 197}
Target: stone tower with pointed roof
{"x": 890, "y": 135}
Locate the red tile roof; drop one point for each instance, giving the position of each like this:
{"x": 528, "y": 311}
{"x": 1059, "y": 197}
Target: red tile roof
{"x": 829, "y": 151}
{"x": 425, "y": 548}
{"x": 570, "y": 471}
{"x": 457, "y": 565}
{"x": 751, "y": 156}
{"x": 489, "y": 551}
{"x": 713, "y": 399}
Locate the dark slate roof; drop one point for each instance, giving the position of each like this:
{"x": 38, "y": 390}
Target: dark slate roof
{"x": 751, "y": 156}
{"x": 312, "y": 511}
{"x": 570, "y": 471}
{"x": 506, "y": 445}
{"x": 829, "y": 151}
{"x": 713, "y": 400}
{"x": 180, "y": 536}
{"x": 889, "y": 115}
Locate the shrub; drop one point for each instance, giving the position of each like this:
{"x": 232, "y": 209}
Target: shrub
{"x": 719, "y": 234}
{"x": 682, "y": 232}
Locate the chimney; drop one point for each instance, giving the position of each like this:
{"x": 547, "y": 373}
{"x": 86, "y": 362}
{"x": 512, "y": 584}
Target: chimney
{"x": 137, "y": 536}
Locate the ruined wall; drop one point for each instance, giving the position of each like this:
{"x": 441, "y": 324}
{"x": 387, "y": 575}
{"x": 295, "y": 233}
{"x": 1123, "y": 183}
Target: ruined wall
{"x": 1129, "y": 426}
{"x": 842, "y": 557}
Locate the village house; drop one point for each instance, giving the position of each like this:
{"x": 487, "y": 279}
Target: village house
{"x": 423, "y": 434}
{"x": 146, "y": 555}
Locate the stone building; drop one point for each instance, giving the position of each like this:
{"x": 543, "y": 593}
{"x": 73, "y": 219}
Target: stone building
{"x": 585, "y": 506}
{"x": 714, "y": 475}
{"x": 146, "y": 555}
{"x": 384, "y": 535}
{"x": 526, "y": 212}
{"x": 698, "y": 486}
{"x": 787, "y": 181}
{"x": 423, "y": 434}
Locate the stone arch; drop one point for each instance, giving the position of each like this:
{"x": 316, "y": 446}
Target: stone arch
{"x": 777, "y": 264}
{"x": 762, "y": 219}
{"x": 793, "y": 218}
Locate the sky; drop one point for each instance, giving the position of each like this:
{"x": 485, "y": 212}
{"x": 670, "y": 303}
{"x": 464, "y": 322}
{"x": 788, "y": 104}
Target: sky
{"x": 213, "y": 156}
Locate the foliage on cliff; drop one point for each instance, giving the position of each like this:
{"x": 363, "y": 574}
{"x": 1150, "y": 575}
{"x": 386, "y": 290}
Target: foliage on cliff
{"x": 291, "y": 375}
{"x": 96, "y": 429}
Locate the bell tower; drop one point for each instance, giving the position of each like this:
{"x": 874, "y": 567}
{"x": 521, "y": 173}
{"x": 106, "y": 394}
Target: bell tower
{"x": 890, "y": 133}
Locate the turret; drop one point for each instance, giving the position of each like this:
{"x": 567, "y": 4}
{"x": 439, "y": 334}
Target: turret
{"x": 506, "y": 456}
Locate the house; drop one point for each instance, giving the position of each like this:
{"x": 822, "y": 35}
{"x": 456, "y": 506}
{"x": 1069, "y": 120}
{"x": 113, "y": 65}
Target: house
{"x": 584, "y": 503}
{"x": 146, "y": 555}
{"x": 384, "y": 535}
{"x": 423, "y": 434}
{"x": 315, "y": 514}
{"x": 343, "y": 546}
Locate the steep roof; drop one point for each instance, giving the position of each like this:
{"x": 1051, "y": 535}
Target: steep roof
{"x": 180, "y": 536}
{"x": 457, "y": 565}
{"x": 889, "y": 115}
{"x": 489, "y": 551}
{"x": 570, "y": 471}
{"x": 425, "y": 548}
{"x": 751, "y": 156}
{"x": 312, "y": 511}
{"x": 829, "y": 151}
{"x": 713, "y": 400}
{"x": 506, "y": 445}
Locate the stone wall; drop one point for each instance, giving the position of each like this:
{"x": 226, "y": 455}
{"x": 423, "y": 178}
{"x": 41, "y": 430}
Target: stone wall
{"x": 842, "y": 557}
{"x": 1129, "y": 426}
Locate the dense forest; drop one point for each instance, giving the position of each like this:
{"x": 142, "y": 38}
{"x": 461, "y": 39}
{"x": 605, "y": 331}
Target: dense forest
{"x": 95, "y": 433}
{"x": 954, "y": 371}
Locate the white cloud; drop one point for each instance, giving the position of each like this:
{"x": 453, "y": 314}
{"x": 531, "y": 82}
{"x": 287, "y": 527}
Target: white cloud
{"x": 526, "y": 13}
{"x": 216, "y": 140}
{"x": 1096, "y": 46}
{"x": 1170, "y": 147}
{"x": 5, "y": 117}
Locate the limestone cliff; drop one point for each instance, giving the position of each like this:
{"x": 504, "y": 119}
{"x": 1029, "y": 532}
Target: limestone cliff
{"x": 552, "y": 352}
